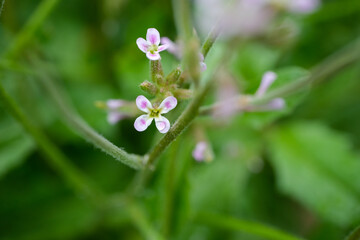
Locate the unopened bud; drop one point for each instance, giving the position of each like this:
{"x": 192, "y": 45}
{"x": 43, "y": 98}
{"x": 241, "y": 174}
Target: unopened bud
{"x": 183, "y": 93}
{"x": 174, "y": 76}
{"x": 149, "y": 87}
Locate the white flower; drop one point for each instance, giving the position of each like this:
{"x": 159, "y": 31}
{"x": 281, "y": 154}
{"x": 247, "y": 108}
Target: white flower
{"x": 150, "y": 46}
{"x": 162, "y": 124}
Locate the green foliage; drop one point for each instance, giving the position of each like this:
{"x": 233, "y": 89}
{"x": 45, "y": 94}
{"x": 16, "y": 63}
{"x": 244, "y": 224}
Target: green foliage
{"x": 15, "y": 146}
{"x": 318, "y": 167}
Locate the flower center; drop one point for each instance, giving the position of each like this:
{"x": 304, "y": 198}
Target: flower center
{"x": 154, "y": 113}
{"x": 153, "y": 48}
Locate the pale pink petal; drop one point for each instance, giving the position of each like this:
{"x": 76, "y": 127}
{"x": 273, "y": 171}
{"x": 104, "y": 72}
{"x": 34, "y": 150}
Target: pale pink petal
{"x": 172, "y": 47}
{"x": 114, "y": 103}
{"x": 199, "y": 151}
{"x": 162, "y": 124}
{"x": 303, "y": 6}
{"x": 153, "y": 56}
{"x": 168, "y": 104}
{"x": 142, "y": 44}
{"x": 276, "y": 104}
{"x": 142, "y": 123}
{"x": 267, "y": 80}
{"x": 114, "y": 117}
{"x": 162, "y": 47}
{"x": 153, "y": 36}
{"x": 203, "y": 66}
{"x": 143, "y": 103}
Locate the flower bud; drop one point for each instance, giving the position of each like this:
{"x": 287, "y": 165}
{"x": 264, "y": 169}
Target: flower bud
{"x": 173, "y": 76}
{"x": 149, "y": 87}
{"x": 183, "y": 93}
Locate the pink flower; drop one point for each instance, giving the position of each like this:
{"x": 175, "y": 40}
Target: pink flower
{"x": 150, "y": 46}
{"x": 202, "y": 152}
{"x": 177, "y": 50}
{"x": 114, "y": 113}
{"x": 275, "y": 104}
{"x": 162, "y": 124}
{"x": 267, "y": 79}
{"x": 303, "y": 6}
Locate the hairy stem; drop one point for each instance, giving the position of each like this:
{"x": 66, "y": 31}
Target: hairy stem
{"x": 233, "y": 224}
{"x": 77, "y": 124}
{"x": 53, "y": 155}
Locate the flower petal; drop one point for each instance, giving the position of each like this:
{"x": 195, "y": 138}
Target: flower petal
{"x": 142, "y": 123}
{"x": 199, "y": 151}
{"x": 162, "y": 124}
{"x": 203, "y": 66}
{"x": 153, "y": 56}
{"x": 168, "y": 104}
{"x": 162, "y": 47}
{"x": 143, "y": 103}
{"x": 266, "y": 81}
{"x": 114, "y": 117}
{"x": 114, "y": 103}
{"x": 153, "y": 36}
{"x": 142, "y": 44}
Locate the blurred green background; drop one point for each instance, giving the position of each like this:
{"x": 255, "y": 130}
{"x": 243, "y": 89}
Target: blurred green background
{"x": 297, "y": 170}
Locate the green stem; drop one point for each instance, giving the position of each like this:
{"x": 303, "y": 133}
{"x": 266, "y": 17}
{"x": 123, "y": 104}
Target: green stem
{"x": 35, "y": 21}
{"x": 354, "y": 235}
{"x": 2, "y": 6}
{"x": 169, "y": 183}
{"x": 54, "y": 156}
{"x": 234, "y": 224}
{"x": 156, "y": 72}
{"x": 77, "y": 124}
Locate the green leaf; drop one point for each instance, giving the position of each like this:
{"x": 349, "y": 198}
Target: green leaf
{"x": 316, "y": 166}
{"x": 15, "y": 146}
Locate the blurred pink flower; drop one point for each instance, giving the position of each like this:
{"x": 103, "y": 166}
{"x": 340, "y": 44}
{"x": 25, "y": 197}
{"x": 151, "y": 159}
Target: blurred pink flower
{"x": 303, "y": 6}
{"x": 234, "y": 17}
{"x": 114, "y": 113}
{"x": 202, "y": 152}
{"x": 275, "y": 104}
{"x": 162, "y": 123}
{"x": 150, "y": 46}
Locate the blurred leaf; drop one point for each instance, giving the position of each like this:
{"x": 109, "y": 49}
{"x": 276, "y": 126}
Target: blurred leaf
{"x": 253, "y": 60}
{"x": 316, "y": 166}
{"x": 15, "y": 146}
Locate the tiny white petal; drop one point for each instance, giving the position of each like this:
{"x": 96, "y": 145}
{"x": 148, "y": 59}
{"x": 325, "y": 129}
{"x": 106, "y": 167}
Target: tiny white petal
{"x": 153, "y": 36}
{"x": 142, "y": 123}
{"x": 143, "y": 103}
{"x": 142, "y": 44}
{"x": 153, "y": 56}
{"x": 162, "y": 124}
{"x": 168, "y": 104}
{"x": 199, "y": 151}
